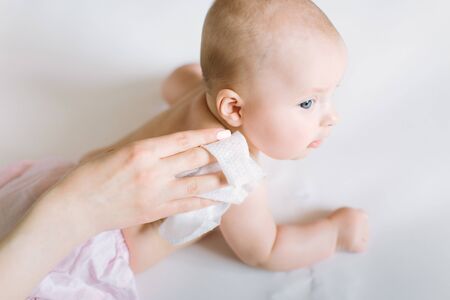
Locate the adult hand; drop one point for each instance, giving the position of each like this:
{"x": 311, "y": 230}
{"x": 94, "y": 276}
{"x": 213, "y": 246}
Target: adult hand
{"x": 137, "y": 183}
{"x": 124, "y": 187}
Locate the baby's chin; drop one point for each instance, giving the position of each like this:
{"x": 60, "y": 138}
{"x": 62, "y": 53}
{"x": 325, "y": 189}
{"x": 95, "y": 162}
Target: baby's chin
{"x": 286, "y": 156}
{"x": 302, "y": 155}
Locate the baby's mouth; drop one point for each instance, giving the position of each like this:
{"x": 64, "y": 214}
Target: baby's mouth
{"x": 315, "y": 144}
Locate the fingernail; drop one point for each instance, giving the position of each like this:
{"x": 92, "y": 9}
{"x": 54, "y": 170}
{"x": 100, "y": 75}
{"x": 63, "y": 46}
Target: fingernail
{"x": 223, "y": 134}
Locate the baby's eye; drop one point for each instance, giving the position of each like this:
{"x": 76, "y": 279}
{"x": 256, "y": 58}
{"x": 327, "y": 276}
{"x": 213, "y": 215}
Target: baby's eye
{"x": 306, "y": 104}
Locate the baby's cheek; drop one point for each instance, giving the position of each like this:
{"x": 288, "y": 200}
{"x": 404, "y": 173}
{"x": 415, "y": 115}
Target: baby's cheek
{"x": 276, "y": 135}
{"x": 287, "y": 142}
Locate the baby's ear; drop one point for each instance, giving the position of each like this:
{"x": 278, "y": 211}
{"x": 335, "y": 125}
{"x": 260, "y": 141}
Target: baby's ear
{"x": 229, "y": 105}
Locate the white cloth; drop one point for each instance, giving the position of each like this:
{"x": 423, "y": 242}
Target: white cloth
{"x": 241, "y": 172}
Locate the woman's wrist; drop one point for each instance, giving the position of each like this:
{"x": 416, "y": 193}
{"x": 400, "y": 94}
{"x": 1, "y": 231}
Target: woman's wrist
{"x": 69, "y": 214}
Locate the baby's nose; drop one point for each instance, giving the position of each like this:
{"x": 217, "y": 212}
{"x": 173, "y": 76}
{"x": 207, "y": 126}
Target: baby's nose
{"x": 333, "y": 120}
{"x": 330, "y": 119}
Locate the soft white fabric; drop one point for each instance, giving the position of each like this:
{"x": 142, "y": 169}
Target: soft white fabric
{"x": 241, "y": 172}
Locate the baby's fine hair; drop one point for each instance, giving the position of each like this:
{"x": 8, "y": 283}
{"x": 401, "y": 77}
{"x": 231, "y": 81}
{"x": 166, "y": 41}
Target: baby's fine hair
{"x": 238, "y": 34}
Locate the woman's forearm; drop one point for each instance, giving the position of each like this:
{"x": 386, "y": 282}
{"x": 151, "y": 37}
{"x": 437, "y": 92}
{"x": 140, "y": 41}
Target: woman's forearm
{"x": 49, "y": 229}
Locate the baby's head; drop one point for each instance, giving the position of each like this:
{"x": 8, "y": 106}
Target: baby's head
{"x": 270, "y": 67}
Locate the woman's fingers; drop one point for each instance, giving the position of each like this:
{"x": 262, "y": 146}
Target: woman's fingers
{"x": 192, "y": 186}
{"x": 184, "y": 205}
{"x": 181, "y": 141}
{"x": 188, "y": 160}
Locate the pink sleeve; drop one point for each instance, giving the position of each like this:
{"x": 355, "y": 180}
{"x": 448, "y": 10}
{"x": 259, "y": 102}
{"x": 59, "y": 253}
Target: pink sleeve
{"x": 97, "y": 269}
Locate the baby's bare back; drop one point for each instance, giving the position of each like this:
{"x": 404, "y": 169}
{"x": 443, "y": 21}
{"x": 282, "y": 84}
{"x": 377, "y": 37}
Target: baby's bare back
{"x": 189, "y": 113}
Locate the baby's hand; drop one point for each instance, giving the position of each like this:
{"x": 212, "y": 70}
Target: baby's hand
{"x": 352, "y": 227}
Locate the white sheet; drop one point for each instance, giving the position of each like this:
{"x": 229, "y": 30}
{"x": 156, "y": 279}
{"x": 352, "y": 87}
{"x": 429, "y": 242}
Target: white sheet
{"x": 79, "y": 74}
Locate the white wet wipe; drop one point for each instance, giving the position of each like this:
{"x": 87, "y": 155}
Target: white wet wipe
{"x": 242, "y": 174}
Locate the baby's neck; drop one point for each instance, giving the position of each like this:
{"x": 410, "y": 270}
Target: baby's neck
{"x": 198, "y": 114}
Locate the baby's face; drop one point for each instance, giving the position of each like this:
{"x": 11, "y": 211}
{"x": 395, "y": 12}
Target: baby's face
{"x": 288, "y": 109}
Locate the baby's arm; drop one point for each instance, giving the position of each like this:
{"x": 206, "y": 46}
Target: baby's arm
{"x": 146, "y": 247}
{"x": 251, "y": 232}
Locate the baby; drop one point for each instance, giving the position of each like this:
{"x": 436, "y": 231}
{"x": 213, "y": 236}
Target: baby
{"x": 268, "y": 70}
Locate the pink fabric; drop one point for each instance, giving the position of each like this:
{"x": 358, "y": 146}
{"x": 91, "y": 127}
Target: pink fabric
{"x": 98, "y": 269}
{"x": 22, "y": 183}
{"x": 8, "y": 173}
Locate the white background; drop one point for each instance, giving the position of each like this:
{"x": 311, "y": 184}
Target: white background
{"x": 75, "y": 75}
